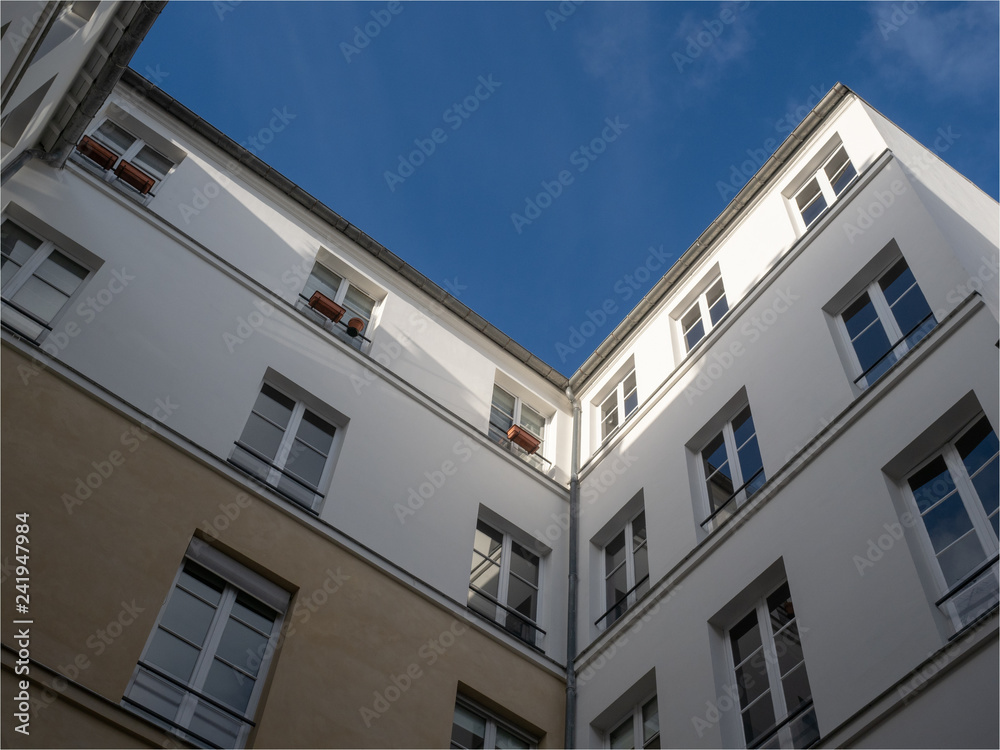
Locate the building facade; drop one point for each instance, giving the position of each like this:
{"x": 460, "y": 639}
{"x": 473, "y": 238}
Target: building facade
{"x": 268, "y": 485}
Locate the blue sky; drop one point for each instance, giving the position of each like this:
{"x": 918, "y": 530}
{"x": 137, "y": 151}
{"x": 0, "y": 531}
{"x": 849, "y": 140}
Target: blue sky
{"x": 506, "y": 101}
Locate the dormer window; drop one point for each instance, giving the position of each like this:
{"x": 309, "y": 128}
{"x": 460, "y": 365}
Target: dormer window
{"x": 822, "y": 190}
{"x": 704, "y": 314}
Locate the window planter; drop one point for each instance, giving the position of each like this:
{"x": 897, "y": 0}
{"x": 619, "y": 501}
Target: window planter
{"x": 326, "y": 306}
{"x": 103, "y": 157}
{"x": 523, "y": 439}
{"x": 355, "y": 326}
{"x": 134, "y": 177}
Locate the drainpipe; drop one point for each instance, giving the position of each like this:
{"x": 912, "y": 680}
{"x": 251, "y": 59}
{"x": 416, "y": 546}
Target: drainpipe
{"x": 106, "y": 79}
{"x": 574, "y": 577}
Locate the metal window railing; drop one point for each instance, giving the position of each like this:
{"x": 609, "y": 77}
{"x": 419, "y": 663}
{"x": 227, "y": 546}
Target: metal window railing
{"x": 524, "y": 621}
{"x": 803, "y": 709}
{"x": 733, "y": 497}
{"x": 31, "y": 316}
{"x": 624, "y": 598}
{"x": 199, "y": 695}
{"x": 892, "y": 348}
{"x": 271, "y": 465}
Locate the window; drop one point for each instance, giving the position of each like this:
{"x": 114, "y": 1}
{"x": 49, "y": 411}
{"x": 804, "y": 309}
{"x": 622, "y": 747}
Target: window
{"x": 732, "y": 467}
{"x": 475, "y": 727}
{"x": 643, "y": 722}
{"x": 356, "y": 304}
{"x": 287, "y": 446}
{"x": 508, "y": 410}
{"x": 776, "y": 707}
{"x": 617, "y": 407}
{"x": 504, "y": 583}
{"x": 884, "y": 322}
{"x": 203, "y": 668}
{"x": 139, "y": 165}
{"x": 711, "y": 307}
{"x": 829, "y": 182}
{"x": 38, "y": 280}
{"x": 626, "y": 569}
{"x": 955, "y": 494}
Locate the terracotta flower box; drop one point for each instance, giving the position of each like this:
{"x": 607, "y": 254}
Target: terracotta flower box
{"x": 326, "y": 306}
{"x": 103, "y": 157}
{"x": 134, "y": 177}
{"x": 523, "y": 439}
{"x": 355, "y": 326}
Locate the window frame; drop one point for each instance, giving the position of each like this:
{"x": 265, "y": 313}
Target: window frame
{"x": 772, "y": 665}
{"x": 276, "y": 467}
{"x": 975, "y": 511}
{"x": 129, "y": 155}
{"x": 27, "y": 271}
{"x": 493, "y": 722}
{"x": 362, "y": 340}
{"x": 621, "y": 411}
{"x": 740, "y": 483}
{"x": 536, "y": 459}
{"x": 237, "y": 580}
{"x": 503, "y": 588}
{"x": 633, "y": 595}
{"x": 706, "y": 315}
{"x": 827, "y": 191}
{"x": 635, "y": 715}
{"x": 885, "y": 318}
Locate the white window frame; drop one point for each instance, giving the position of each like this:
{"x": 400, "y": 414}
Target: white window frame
{"x": 629, "y": 563}
{"x": 826, "y": 190}
{"x": 363, "y": 339}
{"x": 635, "y": 716}
{"x": 27, "y": 271}
{"x": 973, "y": 507}
{"x": 238, "y": 579}
{"x": 885, "y": 318}
{"x": 128, "y": 155}
{"x": 733, "y": 459}
{"x": 704, "y": 310}
{"x": 536, "y": 459}
{"x": 492, "y": 722}
{"x": 620, "y": 397}
{"x": 287, "y": 441}
{"x": 772, "y": 667}
{"x": 503, "y": 587}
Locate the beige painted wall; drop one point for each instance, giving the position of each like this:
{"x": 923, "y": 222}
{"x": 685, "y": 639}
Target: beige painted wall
{"x": 118, "y": 551}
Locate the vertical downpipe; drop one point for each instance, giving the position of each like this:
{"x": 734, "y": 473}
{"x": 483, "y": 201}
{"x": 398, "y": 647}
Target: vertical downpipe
{"x": 574, "y": 578}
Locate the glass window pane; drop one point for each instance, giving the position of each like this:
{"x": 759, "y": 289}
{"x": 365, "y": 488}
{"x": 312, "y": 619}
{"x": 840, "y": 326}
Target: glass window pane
{"x": 788, "y": 646}
{"x": 614, "y": 552}
{"x": 524, "y": 563}
{"x": 507, "y": 740}
{"x": 40, "y": 299}
{"x": 859, "y": 315}
{"x": 488, "y": 541}
{"x": 316, "y": 432}
{"x": 522, "y": 598}
{"x": 262, "y": 436}
{"x": 779, "y": 605}
{"x": 931, "y": 483}
{"x": 503, "y": 401}
{"x": 623, "y": 735}
{"x": 275, "y": 406}
{"x": 650, "y": 721}
{"x": 977, "y": 445}
{"x": 152, "y": 161}
{"x": 115, "y": 136}
{"x": 485, "y": 575}
{"x": 720, "y": 489}
{"x": 61, "y": 272}
{"x": 227, "y": 685}
{"x": 188, "y": 617}
{"x": 751, "y": 678}
{"x": 961, "y": 558}
{"x": 743, "y": 428}
{"x": 840, "y": 171}
{"x": 795, "y": 685}
{"x": 254, "y": 614}
{"x": 718, "y": 309}
{"x": 322, "y": 280}
{"x": 694, "y": 333}
{"x": 172, "y": 655}
{"x": 987, "y": 484}
{"x": 305, "y": 463}
{"x": 641, "y": 567}
{"x": 947, "y": 521}
{"x": 615, "y": 587}
{"x": 638, "y": 530}
{"x": 910, "y": 310}
{"x": 750, "y": 460}
{"x": 896, "y": 281}
{"x": 714, "y": 456}
{"x": 745, "y": 637}
{"x": 609, "y": 414}
{"x": 242, "y": 647}
{"x": 758, "y": 719}
{"x": 468, "y": 729}
{"x": 631, "y": 394}
{"x": 482, "y": 604}
{"x": 358, "y": 302}
{"x": 199, "y": 581}
{"x": 532, "y": 421}
{"x": 810, "y": 201}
